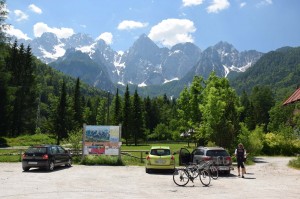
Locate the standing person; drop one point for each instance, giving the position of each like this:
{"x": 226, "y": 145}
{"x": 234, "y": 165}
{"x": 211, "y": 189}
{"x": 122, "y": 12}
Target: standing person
{"x": 240, "y": 153}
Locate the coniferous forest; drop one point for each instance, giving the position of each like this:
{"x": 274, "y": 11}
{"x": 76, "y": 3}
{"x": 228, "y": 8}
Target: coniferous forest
{"x": 35, "y": 98}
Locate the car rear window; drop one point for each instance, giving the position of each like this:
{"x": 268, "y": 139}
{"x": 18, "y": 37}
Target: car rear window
{"x": 217, "y": 153}
{"x": 160, "y": 152}
{"x": 37, "y": 150}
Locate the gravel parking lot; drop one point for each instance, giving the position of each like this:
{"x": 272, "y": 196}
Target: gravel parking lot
{"x": 268, "y": 178}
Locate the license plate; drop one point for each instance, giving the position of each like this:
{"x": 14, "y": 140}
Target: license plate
{"x": 32, "y": 162}
{"x": 223, "y": 168}
{"x": 160, "y": 161}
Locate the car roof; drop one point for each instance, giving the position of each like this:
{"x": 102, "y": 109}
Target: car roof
{"x": 44, "y": 145}
{"x": 211, "y": 148}
{"x": 160, "y": 147}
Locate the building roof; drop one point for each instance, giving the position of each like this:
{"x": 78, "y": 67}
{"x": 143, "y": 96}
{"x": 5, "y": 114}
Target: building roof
{"x": 293, "y": 98}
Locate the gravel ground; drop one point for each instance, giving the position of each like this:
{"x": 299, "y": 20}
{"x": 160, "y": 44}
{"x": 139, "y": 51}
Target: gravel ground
{"x": 268, "y": 178}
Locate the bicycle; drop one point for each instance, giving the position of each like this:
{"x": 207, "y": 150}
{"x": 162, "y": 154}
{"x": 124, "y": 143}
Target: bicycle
{"x": 182, "y": 176}
{"x": 213, "y": 170}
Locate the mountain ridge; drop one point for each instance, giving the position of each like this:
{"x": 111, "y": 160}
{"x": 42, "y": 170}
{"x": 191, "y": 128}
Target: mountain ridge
{"x": 144, "y": 63}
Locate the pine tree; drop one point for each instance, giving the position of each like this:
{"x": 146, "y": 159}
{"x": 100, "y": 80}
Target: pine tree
{"x": 4, "y": 93}
{"x": 117, "y": 116}
{"x": 61, "y": 120}
{"x": 101, "y": 112}
{"x": 126, "y": 126}
{"x": 77, "y": 105}
{"x": 137, "y": 125}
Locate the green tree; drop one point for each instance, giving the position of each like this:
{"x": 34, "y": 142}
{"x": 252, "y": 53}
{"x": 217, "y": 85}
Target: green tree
{"x": 117, "y": 109}
{"x": 262, "y": 100}
{"x": 220, "y": 112}
{"x": 61, "y": 120}
{"x": 280, "y": 115}
{"x": 22, "y": 69}
{"x": 4, "y": 93}
{"x": 196, "y": 98}
{"x": 127, "y": 115}
{"x": 77, "y": 105}
{"x": 102, "y": 112}
{"x": 137, "y": 118}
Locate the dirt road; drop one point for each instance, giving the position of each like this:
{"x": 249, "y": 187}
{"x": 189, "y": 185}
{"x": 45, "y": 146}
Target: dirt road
{"x": 268, "y": 178}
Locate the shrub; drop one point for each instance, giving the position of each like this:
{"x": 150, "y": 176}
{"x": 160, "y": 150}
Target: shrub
{"x": 101, "y": 160}
{"x": 295, "y": 163}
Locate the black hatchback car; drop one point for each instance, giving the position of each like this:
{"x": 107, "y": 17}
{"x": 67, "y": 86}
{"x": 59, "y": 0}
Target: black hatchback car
{"x": 45, "y": 156}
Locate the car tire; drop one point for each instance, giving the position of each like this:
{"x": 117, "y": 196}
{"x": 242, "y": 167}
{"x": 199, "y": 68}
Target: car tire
{"x": 50, "y": 166}
{"x": 69, "y": 164}
{"x": 227, "y": 172}
{"x": 26, "y": 168}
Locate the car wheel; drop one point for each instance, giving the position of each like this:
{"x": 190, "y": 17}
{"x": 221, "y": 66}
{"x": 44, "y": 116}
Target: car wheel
{"x": 50, "y": 166}
{"x": 26, "y": 168}
{"x": 227, "y": 172}
{"x": 69, "y": 164}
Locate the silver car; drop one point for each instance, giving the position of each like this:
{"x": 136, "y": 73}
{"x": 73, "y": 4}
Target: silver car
{"x": 218, "y": 155}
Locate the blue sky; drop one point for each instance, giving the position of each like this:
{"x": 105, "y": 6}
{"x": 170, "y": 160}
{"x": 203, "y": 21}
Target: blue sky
{"x": 262, "y": 25}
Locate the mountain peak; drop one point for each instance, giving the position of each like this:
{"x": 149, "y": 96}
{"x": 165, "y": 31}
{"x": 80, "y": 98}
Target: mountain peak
{"x": 144, "y": 41}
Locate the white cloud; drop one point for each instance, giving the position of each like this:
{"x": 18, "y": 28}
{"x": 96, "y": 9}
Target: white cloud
{"x": 107, "y": 37}
{"x": 40, "y": 28}
{"x": 172, "y": 31}
{"x": 243, "y": 4}
{"x": 17, "y": 33}
{"x": 20, "y": 15}
{"x": 187, "y": 3}
{"x": 264, "y": 3}
{"x": 35, "y": 9}
{"x": 218, "y": 5}
{"x": 127, "y": 24}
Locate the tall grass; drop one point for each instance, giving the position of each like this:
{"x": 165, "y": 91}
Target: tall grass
{"x": 295, "y": 163}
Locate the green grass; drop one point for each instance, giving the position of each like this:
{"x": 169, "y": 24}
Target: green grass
{"x": 29, "y": 140}
{"x": 295, "y": 163}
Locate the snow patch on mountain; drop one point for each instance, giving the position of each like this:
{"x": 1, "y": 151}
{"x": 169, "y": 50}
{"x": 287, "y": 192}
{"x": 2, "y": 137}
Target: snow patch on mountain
{"x": 142, "y": 84}
{"x": 90, "y": 49}
{"x": 170, "y": 80}
{"x": 226, "y": 70}
{"x": 58, "y": 51}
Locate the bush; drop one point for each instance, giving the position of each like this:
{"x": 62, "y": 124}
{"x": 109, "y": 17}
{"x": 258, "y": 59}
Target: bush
{"x": 277, "y": 144}
{"x": 101, "y": 160}
{"x": 295, "y": 163}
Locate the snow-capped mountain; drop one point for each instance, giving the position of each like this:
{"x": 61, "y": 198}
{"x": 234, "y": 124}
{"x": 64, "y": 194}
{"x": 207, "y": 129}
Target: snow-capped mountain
{"x": 142, "y": 64}
{"x": 223, "y": 58}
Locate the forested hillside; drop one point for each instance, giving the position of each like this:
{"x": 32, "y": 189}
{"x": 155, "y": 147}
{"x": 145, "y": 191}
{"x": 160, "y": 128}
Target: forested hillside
{"x": 278, "y": 69}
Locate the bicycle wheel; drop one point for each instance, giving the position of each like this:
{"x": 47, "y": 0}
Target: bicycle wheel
{"x": 214, "y": 173}
{"x": 204, "y": 177}
{"x": 193, "y": 172}
{"x": 180, "y": 177}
